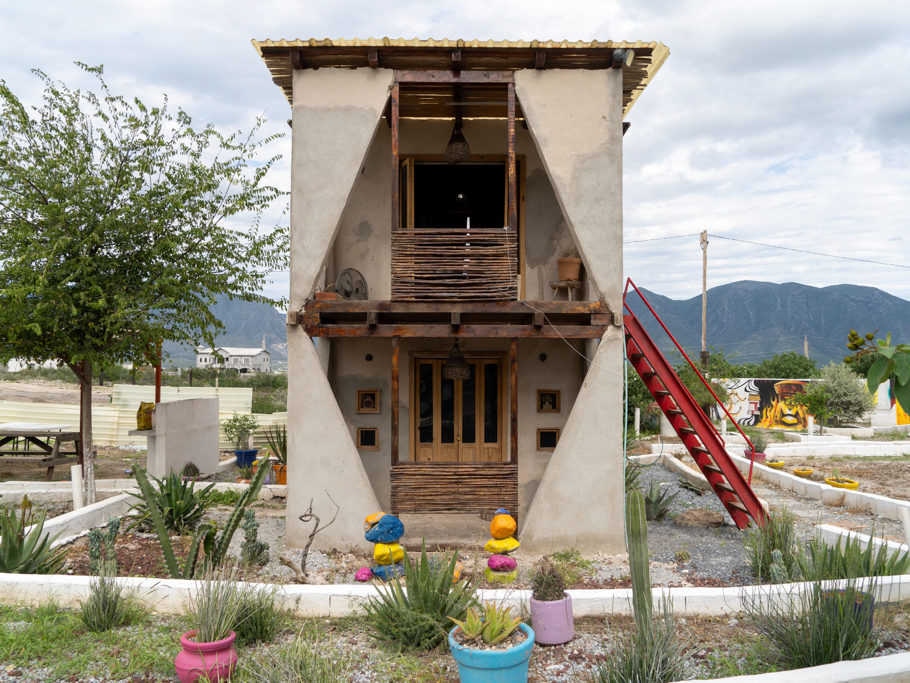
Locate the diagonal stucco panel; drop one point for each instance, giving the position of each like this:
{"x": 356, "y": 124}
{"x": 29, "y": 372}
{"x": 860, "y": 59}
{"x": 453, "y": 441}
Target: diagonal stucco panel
{"x": 335, "y": 116}
{"x": 579, "y": 502}
{"x": 323, "y": 463}
{"x": 575, "y": 120}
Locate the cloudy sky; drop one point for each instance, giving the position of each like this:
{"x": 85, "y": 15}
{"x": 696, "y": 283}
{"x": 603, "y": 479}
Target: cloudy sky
{"x": 784, "y": 123}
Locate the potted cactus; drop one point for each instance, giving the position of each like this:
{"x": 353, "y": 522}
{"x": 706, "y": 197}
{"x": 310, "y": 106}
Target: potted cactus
{"x": 238, "y": 429}
{"x": 551, "y": 606}
{"x": 277, "y": 437}
{"x": 506, "y": 645}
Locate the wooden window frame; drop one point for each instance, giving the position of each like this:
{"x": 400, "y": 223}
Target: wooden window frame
{"x": 557, "y": 408}
{"x": 360, "y": 432}
{"x": 361, "y": 393}
{"x": 540, "y": 431}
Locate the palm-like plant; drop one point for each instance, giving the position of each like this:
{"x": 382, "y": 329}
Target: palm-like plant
{"x": 180, "y": 504}
{"x": 25, "y": 550}
{"x": 277, "y": 438}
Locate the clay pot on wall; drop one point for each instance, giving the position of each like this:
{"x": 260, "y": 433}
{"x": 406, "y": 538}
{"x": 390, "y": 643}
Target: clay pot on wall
{"x": 569, "y": 268}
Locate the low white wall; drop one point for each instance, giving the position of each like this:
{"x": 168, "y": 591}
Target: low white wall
{"x": 832, "y": 534}
{"x": 891, "y": 668}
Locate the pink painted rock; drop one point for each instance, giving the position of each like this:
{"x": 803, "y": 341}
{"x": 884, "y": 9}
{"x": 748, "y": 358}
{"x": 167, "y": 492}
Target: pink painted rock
{"x": 501, "y": 563}
{"x": 364, "y": 574}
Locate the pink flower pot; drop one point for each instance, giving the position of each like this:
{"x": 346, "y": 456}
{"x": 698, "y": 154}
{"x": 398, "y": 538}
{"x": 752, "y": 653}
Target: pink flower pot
{"x": 552, "y": 619}
{"x": 205, "y": 661}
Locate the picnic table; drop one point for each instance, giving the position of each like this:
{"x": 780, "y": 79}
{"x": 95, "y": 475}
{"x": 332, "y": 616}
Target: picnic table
{"x": 40, "y": 444}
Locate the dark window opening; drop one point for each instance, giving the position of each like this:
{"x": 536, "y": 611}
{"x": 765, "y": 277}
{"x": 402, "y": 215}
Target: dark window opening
{"x": 445, "y": 195}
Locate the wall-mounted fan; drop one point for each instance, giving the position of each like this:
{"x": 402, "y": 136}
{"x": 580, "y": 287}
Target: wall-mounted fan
{"x": 350, "y": 284}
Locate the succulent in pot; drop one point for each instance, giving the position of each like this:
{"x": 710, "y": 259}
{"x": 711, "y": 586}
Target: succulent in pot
{"x": 481, "y": 648}
{"x": 238, "y": 429}
{"x": 551, "y": 606}
{"x": 277, "y": 437}
{"x": 757, "y": 451}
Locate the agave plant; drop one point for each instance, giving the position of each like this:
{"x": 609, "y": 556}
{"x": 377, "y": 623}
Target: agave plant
{"x": 277, "y": 438}
{"x": 24, "y": 548}
{"x": 180, "y": 504}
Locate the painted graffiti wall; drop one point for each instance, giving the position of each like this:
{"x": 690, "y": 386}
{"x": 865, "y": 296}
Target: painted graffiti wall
{"x": 770, "y": 403}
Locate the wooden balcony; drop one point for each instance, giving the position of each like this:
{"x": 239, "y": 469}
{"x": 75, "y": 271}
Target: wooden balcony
{"x": 454, "y": 265}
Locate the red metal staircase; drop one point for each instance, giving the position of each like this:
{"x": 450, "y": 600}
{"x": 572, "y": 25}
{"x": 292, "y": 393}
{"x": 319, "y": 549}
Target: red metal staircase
{"x": 696, "y": 431}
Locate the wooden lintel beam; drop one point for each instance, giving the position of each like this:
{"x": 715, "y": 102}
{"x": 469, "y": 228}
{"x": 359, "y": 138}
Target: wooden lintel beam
{"x": 463, "y": 331}
{"x": 540, "y": 59}
{"x": 439, "y": 76}
{"x": 297, "y": 59}
{"x": 373, "y": 58}
{"x": 463, "y": 307}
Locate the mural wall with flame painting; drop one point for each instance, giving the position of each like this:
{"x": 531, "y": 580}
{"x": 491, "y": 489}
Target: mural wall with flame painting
{"x": 771, "y": 403}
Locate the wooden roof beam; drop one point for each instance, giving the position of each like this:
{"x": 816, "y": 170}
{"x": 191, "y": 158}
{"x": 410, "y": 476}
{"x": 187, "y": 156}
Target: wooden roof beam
{"x": 437, "y": 76}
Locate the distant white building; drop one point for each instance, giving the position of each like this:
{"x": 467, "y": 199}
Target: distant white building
{"x": 234, "y": 358}
{"x": 19, "y": 364}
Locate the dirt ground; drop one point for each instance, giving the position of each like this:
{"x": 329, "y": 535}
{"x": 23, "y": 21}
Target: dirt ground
{"x": 43, "y": 391}
{"x": 111, "y": 463}
{"x": 886, "y": 477}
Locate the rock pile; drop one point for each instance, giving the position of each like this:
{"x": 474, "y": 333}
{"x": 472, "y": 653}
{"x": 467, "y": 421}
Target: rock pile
{"x": 500, "y": 567}
{"x": 384, "y": 531}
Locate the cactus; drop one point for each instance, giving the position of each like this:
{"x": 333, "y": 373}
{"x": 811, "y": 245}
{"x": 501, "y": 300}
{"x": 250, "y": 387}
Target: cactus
{"x": 97, "y": 540}
{"x": 778, "y": 570}
{"x": 639, "y": 569}
{"x": 252, "y": 550}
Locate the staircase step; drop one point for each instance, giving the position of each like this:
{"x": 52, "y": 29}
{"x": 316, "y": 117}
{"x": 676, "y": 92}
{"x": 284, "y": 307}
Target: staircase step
{"x": 738, "y": 505}
{"x": 714, "y": 469}
{"x": 724, "y": 486}
{"x": 687, "y": 430}
{"x": 636, "y": 356}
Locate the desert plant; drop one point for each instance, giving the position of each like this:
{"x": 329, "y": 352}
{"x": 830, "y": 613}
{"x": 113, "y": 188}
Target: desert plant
{"x": 547, "y": 582}
{"x": 632, "y": 475}
{"x": 107, "y": 606}
{"x": 759, "y": 442}
{"x": 658, "y": 501}
{"x": 24, "y": 547}
{"x": 303, "y": 660}
{"x": 252, "y": 550}
{"x": 814, "y": 626}
{"x": 245, "y": 472}
{"x": 778, "y": 533}
{"x": 214, "y": 607}
{"x": 847, "y": 559}
{"x": 778, "y": 571}
{"x": 263, "y": 618}
{"x": 277, "y": 438}
{"x": 419, "y": 618}
{"x": 571, "y": 564}
{"x": 224, "y": 497}
{"x": 96, "y": 541}
{"x": 215, "y": 545}
{"x": 181, "y": 506}
{"x": 494, "y": 626}
{"x": 639, "y": 569}
{"x": 238, "y": 429}
{"x": 190, "y": 470}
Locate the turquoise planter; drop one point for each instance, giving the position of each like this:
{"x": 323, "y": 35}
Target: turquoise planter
{"x": 493, "y": 666}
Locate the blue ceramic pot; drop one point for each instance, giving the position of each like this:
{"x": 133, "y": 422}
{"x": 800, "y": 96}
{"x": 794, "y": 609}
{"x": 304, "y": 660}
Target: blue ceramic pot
{"x": 246, "y": 458}
{"x": 493, "y": 666}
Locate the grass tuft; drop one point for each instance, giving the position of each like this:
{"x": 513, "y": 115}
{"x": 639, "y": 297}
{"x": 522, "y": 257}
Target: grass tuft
{"x": 779, "y": 533}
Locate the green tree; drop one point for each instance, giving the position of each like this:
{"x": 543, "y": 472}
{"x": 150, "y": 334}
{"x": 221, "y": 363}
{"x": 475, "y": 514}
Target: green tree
{"x": 120, "y": 223}
{"x": 789, "y": 365}
{"x": 840, "y": 396}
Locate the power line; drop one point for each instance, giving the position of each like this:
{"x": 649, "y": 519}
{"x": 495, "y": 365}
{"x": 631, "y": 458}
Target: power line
{"x": 806, "y": 251}
{"x": 656, "y": 239}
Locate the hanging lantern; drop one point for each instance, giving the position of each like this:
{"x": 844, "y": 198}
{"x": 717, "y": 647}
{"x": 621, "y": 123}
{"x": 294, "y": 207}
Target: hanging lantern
{"x": 456, "y": 367}
{"x": 457, "y": 150}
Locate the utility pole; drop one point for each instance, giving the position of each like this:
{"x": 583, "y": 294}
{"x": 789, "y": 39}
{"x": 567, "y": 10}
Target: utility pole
{"x": 704, "y": 300}
{"x": 806, "y": 345}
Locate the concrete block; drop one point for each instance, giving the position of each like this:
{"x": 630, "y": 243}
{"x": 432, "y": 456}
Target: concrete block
{"x": 183, "y": 432}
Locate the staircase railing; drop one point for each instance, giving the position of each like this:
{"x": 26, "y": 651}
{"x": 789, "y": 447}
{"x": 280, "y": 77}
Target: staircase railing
{"x": 692, "y": 365}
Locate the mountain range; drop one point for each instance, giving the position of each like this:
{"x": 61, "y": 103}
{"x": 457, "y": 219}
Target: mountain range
{"x": 750, "y": 321}
{"x": 747, "y": 320}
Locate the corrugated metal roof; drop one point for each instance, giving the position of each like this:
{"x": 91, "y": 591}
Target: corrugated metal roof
{"x": 280, "y": 56}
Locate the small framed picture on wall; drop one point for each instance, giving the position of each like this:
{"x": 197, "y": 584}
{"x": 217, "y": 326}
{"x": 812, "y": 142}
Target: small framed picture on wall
{"x": 368, "y": 401}
{"x": 547, "y": 439}
{"x": 368, "y": 439}
{"x": 548, "y": 401}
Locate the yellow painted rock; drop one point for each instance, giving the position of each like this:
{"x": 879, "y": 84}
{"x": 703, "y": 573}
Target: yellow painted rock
{"x": 501, "y": 546}
{"x": 388, "y": 553}
{"x": 457, "y": 573}
{"x": 502, "y": 526}
{"x": 371, "y": 520}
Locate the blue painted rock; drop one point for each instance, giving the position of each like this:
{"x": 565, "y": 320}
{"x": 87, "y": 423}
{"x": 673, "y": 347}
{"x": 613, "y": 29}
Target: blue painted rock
{"x": 387, "y": 530}
{"x": 500, "y": 577}
{"x": 388, "y": 571}
{"x": 501, "y": 563}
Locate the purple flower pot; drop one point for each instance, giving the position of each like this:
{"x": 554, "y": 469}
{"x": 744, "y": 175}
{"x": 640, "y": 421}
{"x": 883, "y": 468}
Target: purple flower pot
{"x": 552, "y": 619}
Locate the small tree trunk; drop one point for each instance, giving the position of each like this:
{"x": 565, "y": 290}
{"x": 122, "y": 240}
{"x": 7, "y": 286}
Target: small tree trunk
{"x": 83, "y": 372}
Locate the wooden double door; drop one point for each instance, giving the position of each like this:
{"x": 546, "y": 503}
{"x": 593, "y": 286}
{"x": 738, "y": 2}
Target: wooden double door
{"x": 458, "y": 420}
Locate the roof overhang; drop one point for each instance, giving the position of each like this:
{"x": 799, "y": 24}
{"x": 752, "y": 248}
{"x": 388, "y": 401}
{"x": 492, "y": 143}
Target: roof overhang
{"x": 482, "y": 101}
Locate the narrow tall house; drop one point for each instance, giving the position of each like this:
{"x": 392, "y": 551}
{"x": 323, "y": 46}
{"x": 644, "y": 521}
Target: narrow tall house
{"x": 434, "y": 187}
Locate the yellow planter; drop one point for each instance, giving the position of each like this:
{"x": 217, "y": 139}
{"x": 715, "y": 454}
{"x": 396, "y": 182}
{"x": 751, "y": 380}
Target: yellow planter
{"x": 777, "y": 465}
{"x": 804, "y": 472}
{"x": 842, "y": 483}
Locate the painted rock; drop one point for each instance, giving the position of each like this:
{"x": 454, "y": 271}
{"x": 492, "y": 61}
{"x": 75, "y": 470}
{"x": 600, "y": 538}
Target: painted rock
{"x": 388, "y": 571}
{"x": 501, "y": 546}
{"x": 502, "y": 526}
{"x": 456, "y": 574}
{"x": 500, "y": 577}
{"x": 363, "y": 574}
{"x": 501, "y": 563}
{"x": 371, "y": 520}
{"x": 387, "y": 530}
{"x": 388, "y": 553}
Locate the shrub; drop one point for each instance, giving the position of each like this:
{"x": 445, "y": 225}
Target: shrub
{"x": 779, "y": 533}
{"x": 571, "y": 565}
{"x": 847, "y": 559}
{"x": 814, "y": 626}
{"x": 238, "y": 429}
{"x": 229, "y": 497}
{"x": 419, "y": 619}
{"x": 547, "y": 582}
{"x": 263, "y": 618}
{"x": 841, "y": 395}
{"x": 107, "y": 606}
{"x": 27, "y": 552}
{"x": 181, "y": 506}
